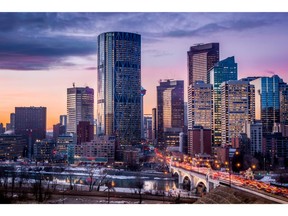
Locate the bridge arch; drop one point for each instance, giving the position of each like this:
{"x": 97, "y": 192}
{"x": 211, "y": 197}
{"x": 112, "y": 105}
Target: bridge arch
{"x": 201, "y": 187}
{"x": 175, "y": 172}
{"x": 187, "y": 182}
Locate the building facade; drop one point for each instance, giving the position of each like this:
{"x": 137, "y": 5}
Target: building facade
{"x": 119, "y": 86}
{"x": 222, "y": 71}
{"x": 31, "y": 122}
{"x": 12, "y": 146}
{"x": 199, "y": 141}
{"x": 147, "y": 127}
{"x": 237, "y": 107}
{"x": 80, "y": 107}
{"x": 100, "y": 147}
{"x": 201, "y": 104}
{"x": 85, "y": 132}
{"x": 43, "y": 150}
{"x": 170, "y": 116}
{"x": 254, "y": 133}
{"x": 267, "y": 101}
{"x": 201, "y": 58}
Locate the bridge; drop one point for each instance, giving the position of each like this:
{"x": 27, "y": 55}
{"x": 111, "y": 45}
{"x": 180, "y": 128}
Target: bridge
{"x": 192, "y": 180}
{"x": 203, "y": 179}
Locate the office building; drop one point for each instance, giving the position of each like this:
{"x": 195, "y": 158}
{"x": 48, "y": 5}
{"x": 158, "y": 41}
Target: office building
{"x": 222, "y": 71}
{"x": 147, "y": 127}
{"x": 85, "y": 132}
{"x": 201, "y": 58}
{"x": 12, "y": 146}
{"x": 267, "y": 101}
{"x": 253, "y": 130}
{"x": 199, "y": 141}
{"x": 119, "y": 86}
{"x": 80, "y": 107}
{"x": 200, "y": 105}
{"x": 31, "y": 122}
{"x": 43, "y": 150}
{"x": 58, "y": 129}
{"x": 237, "y": 107}
{"x": 170, "y": 118}
{"x": 65, "y": 148}
{"x": 63, "y": 122}
{"x": 100, "y": 147}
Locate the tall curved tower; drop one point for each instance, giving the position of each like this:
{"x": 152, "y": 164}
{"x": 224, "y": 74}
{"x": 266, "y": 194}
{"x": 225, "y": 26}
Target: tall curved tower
{"x": 119, "y": 86}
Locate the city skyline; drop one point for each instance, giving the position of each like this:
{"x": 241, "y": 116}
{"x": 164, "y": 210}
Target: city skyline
{"x": 43, "y": 54}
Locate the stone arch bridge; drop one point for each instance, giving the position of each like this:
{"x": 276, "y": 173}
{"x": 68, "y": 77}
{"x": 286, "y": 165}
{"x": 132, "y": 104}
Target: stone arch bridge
{"x": 192, "y": 180}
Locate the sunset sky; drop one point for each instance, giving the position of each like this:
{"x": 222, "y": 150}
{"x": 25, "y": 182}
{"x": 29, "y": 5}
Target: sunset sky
{"x": 42, "y": 54}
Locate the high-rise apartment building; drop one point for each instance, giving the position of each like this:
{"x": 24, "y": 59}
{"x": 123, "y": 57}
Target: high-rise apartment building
{"x": 237, "y": 107}
{"x": 222, "y": 71}
{"x": 119, "y": 86}
{"x": 201, "y": 103}
{"x": 267, "y": 101}
{"x": 170, "y": 106}
{"x": 201, "y": 58}
{"x": 80, "y": 107}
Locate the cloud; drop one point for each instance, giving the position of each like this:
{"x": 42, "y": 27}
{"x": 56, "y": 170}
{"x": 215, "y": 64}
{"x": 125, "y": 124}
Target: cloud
{"x": 46, "y": 40}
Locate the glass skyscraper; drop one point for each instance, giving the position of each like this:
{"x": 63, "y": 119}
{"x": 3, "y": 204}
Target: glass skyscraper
{"x": 222, "y": 71}
{"x": 119, "y": 86}
{"x": 80, "y": 107}
{"x": 267, "y": 101}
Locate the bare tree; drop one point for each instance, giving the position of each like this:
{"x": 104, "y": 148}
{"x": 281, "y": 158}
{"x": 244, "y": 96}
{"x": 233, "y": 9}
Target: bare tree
{"x": 101, "y": 180}
{"x": 109, "y": 187}
{"x": 139, "y": 185}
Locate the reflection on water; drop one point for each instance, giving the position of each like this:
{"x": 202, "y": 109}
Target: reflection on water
{"x": 150, "y": 183}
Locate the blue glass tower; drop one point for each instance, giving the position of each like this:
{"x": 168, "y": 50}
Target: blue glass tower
{"x": 119, "y": 86}
{"x": 267, "y": 101}
{"x": 222, "y": 71}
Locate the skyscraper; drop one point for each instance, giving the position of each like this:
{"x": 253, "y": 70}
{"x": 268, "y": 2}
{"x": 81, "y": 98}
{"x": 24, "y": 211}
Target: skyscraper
{"x": 222, "y": 71}
{"x": 201, "y": 58}
{"x": 237, "y": 107}
{"x": 267, "y": 102}
{"x": 170, "y": 106}
{"x": 119, "y": 86}
{"x": 201, "y": 104}
{"x": 80, "y": 107}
